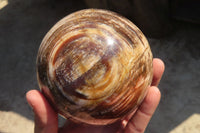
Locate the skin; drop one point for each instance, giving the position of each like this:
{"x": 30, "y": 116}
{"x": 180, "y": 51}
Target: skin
{"x": 46, "y": 119}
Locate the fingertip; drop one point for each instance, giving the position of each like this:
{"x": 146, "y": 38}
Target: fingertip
{"x": 151, "y": 100}
{"x": 158, "y": 60}
{"x": 31, "y": 93}
{"x": 38, "y": 102}
{"x": 158, "y": 70}
{"x": 31, "y": 97}
{"x": 154, "y": 92}
{"x": 160, "y": 63}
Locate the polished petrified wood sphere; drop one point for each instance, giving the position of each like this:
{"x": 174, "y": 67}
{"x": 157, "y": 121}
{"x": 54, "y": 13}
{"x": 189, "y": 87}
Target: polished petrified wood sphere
{"x": 94, "y": 66}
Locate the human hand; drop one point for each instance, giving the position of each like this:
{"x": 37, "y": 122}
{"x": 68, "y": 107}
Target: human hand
{"x": 46, "y": 119}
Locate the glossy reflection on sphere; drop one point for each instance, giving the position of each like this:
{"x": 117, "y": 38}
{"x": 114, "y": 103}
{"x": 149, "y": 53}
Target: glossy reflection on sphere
{"x": 94, "y": 66}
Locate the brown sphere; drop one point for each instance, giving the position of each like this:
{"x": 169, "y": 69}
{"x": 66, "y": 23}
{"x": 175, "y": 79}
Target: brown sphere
{"x": 94, "y": 66}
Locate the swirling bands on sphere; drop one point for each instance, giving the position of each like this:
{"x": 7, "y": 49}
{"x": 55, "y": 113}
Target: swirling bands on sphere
{"x": 94, "y": 66}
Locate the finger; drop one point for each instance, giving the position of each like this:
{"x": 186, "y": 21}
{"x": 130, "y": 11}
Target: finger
{"x": 141, "y": 118}
{"x": 158, "y": 69}
{"x": 46, "y": 120}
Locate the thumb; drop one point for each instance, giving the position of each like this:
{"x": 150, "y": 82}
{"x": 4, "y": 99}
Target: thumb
{"x": 46, "y": 120}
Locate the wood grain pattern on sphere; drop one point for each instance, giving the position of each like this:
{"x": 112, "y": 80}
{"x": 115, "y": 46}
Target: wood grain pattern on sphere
{"x": 94, "y": 66}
